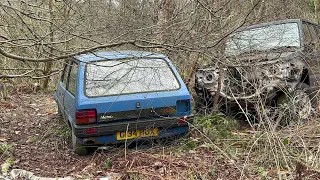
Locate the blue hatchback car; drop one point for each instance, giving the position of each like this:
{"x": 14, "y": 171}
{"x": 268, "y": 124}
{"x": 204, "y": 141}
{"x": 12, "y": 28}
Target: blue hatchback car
{"x": 112, "y": 96}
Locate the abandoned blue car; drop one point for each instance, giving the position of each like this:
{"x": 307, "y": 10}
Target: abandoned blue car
{"x": 109, "y": 97}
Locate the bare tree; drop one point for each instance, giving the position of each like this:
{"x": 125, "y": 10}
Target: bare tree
{"x": 317, "y": 10}
{"x": 39, "y": 35}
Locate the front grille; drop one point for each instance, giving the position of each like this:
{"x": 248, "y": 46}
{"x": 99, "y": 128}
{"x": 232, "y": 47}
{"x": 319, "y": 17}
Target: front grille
{"x": 242, "y": 81}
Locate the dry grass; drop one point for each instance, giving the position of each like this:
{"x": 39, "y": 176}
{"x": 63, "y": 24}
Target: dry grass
{"x": 286, "y": 153}
{"x": 224, "y": 151}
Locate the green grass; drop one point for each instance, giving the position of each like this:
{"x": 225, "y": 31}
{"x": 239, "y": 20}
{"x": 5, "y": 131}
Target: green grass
{"x": 5, "y": 148}
{"x": 108, "y": 163}
{"x": 216, "y": 127}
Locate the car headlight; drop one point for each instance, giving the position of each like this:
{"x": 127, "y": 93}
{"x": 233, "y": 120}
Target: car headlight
{"x": 285, "y": 70}
{"x": 290, "y": 71}
{"x": 207, "y": 78}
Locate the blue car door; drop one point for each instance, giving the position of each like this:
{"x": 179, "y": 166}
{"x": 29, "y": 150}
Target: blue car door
{"x": 61, "y": 89}
{"x": 69, "y": 98}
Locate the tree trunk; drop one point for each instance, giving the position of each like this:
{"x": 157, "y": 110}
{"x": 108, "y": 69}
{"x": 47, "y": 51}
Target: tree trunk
{"x": 217, "y": 95}
{"x": 162, "y": 20}
{"x": 194, "y": 58}
{"x": 48, "y": 65}
{"x": 66, "y": 18}
{"x": 236, "y": 5}
{"x": 259, "y": 16}
{"x": 317, "y": 10}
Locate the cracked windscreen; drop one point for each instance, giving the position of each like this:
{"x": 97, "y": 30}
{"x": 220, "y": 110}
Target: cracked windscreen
{"x": 269, "y": 37}
{"x": 126, "y": 76}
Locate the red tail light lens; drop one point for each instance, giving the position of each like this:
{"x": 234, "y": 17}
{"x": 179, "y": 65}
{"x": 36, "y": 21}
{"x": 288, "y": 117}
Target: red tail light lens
{"x": 183, "y": 120}
{"x": 91, "y": 131}
{"x": 86, "y": 116}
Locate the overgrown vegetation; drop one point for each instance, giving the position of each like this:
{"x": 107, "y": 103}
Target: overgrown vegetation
{"x": 36, "y": 36}
{"x": 287, "y": 153}
{"x": 216, "y": 127}
{"x": 216, "y": 143}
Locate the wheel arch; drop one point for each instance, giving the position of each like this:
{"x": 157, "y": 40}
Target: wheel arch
{"x": 305, "y": 77}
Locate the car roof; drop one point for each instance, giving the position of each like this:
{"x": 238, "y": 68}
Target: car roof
{"x": 112, "y": 55}
{"x": 274, "y": 22}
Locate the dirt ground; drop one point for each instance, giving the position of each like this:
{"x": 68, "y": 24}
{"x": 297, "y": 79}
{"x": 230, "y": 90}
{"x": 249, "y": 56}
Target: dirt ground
{"x": 33, "y": 137}
{"x": 41, "y": 144}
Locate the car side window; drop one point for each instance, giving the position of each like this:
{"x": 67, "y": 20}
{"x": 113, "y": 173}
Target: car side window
{"x": 73, "y": 78}
{"x": 65, "y": 75}
{"x": 316, "y": 61}
{"x": 307, "y": 37}
{"x": 314, "y": 37}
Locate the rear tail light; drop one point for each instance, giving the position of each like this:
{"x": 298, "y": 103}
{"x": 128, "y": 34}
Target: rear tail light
{"x": 183, "y": 120}
{"x": 88, "y": 116}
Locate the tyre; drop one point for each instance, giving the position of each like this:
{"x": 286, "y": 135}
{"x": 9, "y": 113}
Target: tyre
{"x": 295, "y": 106}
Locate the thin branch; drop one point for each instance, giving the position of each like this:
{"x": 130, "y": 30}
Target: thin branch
{"x": 20, "y": 58}
{"x": 19, "y": 75}
{"x": 19, "y": 69}
{"x": 232, "y": 31}
{"x": 137, "y": 43}
{"x": 213, "y": 13}
{"x": 25, "y": 75}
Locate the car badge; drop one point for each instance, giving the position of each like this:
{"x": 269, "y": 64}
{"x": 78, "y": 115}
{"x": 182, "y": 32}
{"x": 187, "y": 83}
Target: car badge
{"x": 105, "y": 117}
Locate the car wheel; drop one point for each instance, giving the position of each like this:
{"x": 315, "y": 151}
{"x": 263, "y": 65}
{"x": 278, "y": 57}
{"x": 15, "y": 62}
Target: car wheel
{"x": 76, "y": 147}
{"x": 297, "y": 105}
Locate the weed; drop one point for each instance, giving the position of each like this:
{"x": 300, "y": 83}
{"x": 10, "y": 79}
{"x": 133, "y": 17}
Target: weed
{"x": 32, "y": 139}
{"x": 191, "y": 144}
{"x": 211, "y": 172}
{"x": 216, "y": 127}
{"x": 107, "y": 164}
{"x": 207, "y": 145}
{"x": 5, "y": 147}
{"x": 62, "y": 131}
{"x": 186, "y": 144}
{"x": 191, "y": 177}
{"x": 232, "y": 151}
{"x": 136, "y": 176}
{"x": 259, "y": 170}
{"x": 6, "y": 165}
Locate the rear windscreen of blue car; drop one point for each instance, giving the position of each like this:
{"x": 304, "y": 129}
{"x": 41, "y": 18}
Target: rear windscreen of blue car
{"x": 126, "y": 76}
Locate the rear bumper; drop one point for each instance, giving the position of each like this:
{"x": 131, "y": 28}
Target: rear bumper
{"x": 110, "y": 139}
{"x": 107, "y": 129}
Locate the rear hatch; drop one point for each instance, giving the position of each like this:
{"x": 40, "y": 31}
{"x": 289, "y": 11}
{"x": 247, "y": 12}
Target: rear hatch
{"x": 134, "y": 89}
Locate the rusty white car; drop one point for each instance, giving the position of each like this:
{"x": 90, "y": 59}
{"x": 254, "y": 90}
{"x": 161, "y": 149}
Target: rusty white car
{"x": 269, "y": 63}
